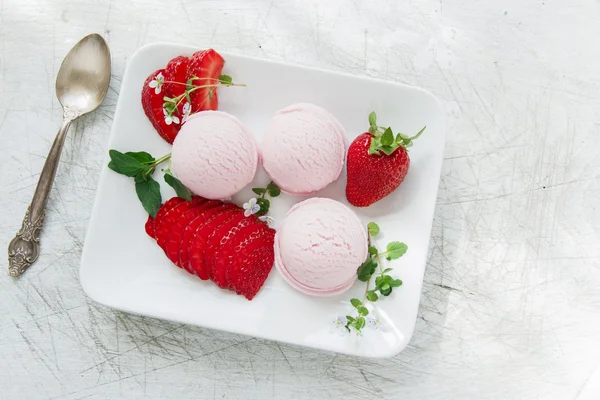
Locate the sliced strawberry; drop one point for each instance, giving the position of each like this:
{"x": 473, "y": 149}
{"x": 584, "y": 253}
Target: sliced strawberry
{"x": 206, "y": 65}
{"x": 176, "y": 71}
{"x": 190, "y": 232}
{"x": 243, "y": 244}
{"x": 176, "y": 230}
{"x": 199, "y": 243}
{"x": 162, "y": 231}
{"x": 152, "y": 103}
{"x": 220, "y": 243}
{"x": 254, "y": 270}
{"x": 164, "y": 210}
{"x": 150, "y": 230}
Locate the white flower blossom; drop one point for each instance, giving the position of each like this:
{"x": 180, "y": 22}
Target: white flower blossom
{"x": 251, "y": 207}
{"x": 267, "y": 219}
{"x": 339, "y": 326}
{"x": 187, "y": 110}
{"x": 157, "y": 82}
{"x": 376, "y": 324}
{"x": 169, "y": 119}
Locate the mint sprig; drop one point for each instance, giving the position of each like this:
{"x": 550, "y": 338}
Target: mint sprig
{"x": 171, "y": 104}
{"x": 384, "y": 283}
{"x": 383, "y": 140}
{"x": 140, "y": 166}
{"x": 272, "y": 190}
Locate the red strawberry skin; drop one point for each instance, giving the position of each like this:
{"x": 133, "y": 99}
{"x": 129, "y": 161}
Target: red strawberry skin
{"x": 254, "y": 267}
{"x": 206, "y": 65}
{"x": 372, "y": 177}
{"x": 149, "y": 227}
{"x": 152, "y": 103}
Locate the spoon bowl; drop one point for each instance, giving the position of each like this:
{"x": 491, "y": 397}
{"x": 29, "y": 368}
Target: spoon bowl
{"x": 83, "y": 77}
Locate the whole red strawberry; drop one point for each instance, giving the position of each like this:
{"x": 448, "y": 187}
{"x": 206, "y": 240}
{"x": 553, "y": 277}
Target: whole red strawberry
{"x": 377, "y": 164}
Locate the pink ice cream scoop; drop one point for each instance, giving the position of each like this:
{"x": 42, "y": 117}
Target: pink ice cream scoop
{"x": 319, "y": 246}
{"x": 214, "y": 155}
{"x": 303, "y": 148}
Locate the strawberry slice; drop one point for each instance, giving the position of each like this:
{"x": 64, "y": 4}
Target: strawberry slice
{"x": 162, "y": 230}
{"x": 149, "y": 227}
{"x": 199, "y": 243}
{"x": 176, "y": 230}
{"x": 164, "y": 210}
{"x": 243, "y": 244}
{"x": 152, "y": 103}
{"x": 254, "y": 267}
{"x": 190, "y": 232}
{"x": 219, "y": 246}
{"x": 206, "y": 65}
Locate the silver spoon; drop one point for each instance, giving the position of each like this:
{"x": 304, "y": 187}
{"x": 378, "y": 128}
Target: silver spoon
{"x": 81, "y": 85}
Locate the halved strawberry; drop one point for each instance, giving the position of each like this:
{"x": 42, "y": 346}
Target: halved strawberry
{"x": 219, "y": 246}
{"x": 190, "y": 232}
{"x": 149, "y": 227}
{"x": 199, "y": 242}
{"x": 152, "y": 103}
{"x": 175, "y": 233}
{"x": 206, "y": 65}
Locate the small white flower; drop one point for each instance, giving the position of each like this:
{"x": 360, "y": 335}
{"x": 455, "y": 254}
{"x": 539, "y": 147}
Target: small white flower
{"x": 267, "y": 219}
{"x": 376, "y": 323}
{"x": 169, "y": 119}
{"x": 339, "y": 326}
{"x": 251, "y": 207}
{"x": 157, "y": 82}
{"x": 187, "y": 110}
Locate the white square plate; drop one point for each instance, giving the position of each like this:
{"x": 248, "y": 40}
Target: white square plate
{"x": 123, "y": 268}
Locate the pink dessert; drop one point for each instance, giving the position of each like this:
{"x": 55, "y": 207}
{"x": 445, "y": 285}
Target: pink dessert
{"x": 304, "y": 148}
{"x": 214, "y": 155}
{"x": 319, "y": 246}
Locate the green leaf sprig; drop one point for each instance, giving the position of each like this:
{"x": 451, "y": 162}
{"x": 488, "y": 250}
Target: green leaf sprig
{"x": 272, "y": 190}
{"x": 384, "y": 140}
{"x": 384, "y": 283}
{"x": 171, "y": 104}
{"x": 140, "y": 166}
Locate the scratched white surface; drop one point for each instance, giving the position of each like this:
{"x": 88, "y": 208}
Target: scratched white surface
{"x": 511, "y": 300}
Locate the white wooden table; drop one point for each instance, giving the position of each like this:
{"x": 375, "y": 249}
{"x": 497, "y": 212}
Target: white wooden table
{"x": 511, "y": 300}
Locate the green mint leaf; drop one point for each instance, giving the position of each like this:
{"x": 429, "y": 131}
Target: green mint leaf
{"x": 125, "y": 164}
{"x": 372, "y": 296}
{"x": 360, "y": 323}
{"x": 387, "y": 270}
{"x": 264, "y": 206}
{"x": 385, "y": 289}
{"x": 373, "y": 250}
{"x": 363, "y": 311}
{"x": 395, "y": 283}
{"x": 141, "y": 156}
{"x": 180, "y": 189}
{"x": 259, "y": 191}
{"x": 387, "y": 139}
{"x": 210, "y": 94}
{"x": 378, "y": 282}
{"x": 189, "y": 85}
{"x": 366, "y": 270}
{"x": 350, "y": 319}
{"x": 373, "y": 228}
{"x": 225, "y": 79}
{"x": 373, "y": 119}
{"x": 149, "y": 194}
{"x": 396, "y": 250}
{"x": 273, "y": 190}
{"x": 188, "y": 98}
{"x": 355, "y": 303}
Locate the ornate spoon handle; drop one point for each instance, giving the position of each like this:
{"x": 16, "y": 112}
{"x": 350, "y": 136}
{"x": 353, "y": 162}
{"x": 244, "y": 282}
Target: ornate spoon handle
{"x": 24, "y": 249}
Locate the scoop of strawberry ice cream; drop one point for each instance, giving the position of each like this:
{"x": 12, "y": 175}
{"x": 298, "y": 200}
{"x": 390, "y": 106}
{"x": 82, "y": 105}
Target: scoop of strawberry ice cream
{"x": 214, "y": 155}
{"x": 319, "y": 246}
{"x": 304, "y": 148}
